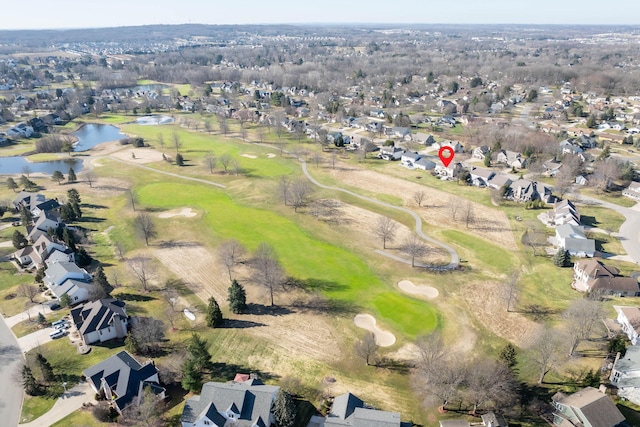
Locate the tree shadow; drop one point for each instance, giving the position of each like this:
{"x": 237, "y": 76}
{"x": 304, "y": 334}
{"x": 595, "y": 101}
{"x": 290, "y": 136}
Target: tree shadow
{"x": 319, "y": 304}
{"x": 135, "y": 297}
{"x": 261, "y": 310}
{"x": 400, "y": 366}
{"x": 166, "y": 244}
{"x": 313, "y": 284}
{"x": 239, "y": 324}
{"x": 93, "y": 206}
{"x": 223, "y": 372}
{"x": 589, "y": 221}
{"x": 91, "y": 219}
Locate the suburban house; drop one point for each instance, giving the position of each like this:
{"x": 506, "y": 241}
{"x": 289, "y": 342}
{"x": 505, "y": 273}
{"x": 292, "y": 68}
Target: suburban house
{"x": 480, "y": 177}
{"x": 457, "y": 147}
{"x": 571, "y": 238}
{"x": 524, "y": 190}
{"x": 423, "y": 138}
{"x": 632, "y": 191}
{"x": 48, "y": 220}
{"x": 67, "y": 278}
{"x": 593, "y": 276}
{"x": 551, "y": 168}
{"x": 490, "y": 419}
{"x": 498, "y": 181}
{"x": 239, "y": 403}
{"x": 448, "y": 172}
{"x": 625, "y": 374}
{"x": 48, "y": 205}
{"x": 424, "y": 164}
{"x": 121, "y": 379}
{"x": 586, "y": 407}
{"x": 401, "y": 132}
{"x": 390, "y": 152}
{"x": 511, "y": 158}
{"x": 480, "y": 152}
{"x": 349, "y": 410}
{"x": 45, "y": 249}
{"x": 409, "y": 159}
{"x": 564, "y": 212}
{"x": 26, "y": 199}
{"x": 567, "y": 147}
{"x": 629, "y": 320}
{"x": 101, "y": 320}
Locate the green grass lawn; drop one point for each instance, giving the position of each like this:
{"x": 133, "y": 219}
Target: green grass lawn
{"x": 80, "y": 418}
{"x": 484, "y": 252}
{"x": 34, "y": 407}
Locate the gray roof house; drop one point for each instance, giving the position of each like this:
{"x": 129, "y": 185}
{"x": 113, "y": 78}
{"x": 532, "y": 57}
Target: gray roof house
{"x": 632, "y": 191}
{"x": 100, "y": 320}
{"x": 490, "y": 419}
{"x": 626, "y": 374}
{"x": 66, "y": 277}
{"x": 480, "y": 177}
{"x": 409, "y": 159}
{"x": 424, "y": 163}
{"x": 524, "y": 190}
{"x": 349, "y": 410}
{"x": 241, "y": 404}
{"x": 121, "y": 378}
{"x": 572, "y": 238}
{"x": 586, "y": 407}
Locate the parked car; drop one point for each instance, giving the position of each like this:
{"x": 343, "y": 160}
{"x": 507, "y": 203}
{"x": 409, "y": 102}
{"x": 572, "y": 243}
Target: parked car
{"x": 58, "y": 323}
{"x": 62, "y": 326}
{"x": 55, "y": 306}
{"x": 57, "y": 334}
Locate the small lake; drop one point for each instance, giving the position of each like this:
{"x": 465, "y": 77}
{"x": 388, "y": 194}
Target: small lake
{"x": 92, "y": 134}
{"x": 19, "y": 165}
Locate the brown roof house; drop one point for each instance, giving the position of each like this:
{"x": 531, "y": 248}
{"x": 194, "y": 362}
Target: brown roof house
{"x": 593, "y": 276}
{"x": 586, "y": 407}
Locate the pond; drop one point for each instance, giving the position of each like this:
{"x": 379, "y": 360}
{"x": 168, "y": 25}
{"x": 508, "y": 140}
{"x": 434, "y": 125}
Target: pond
{"x": 92, "y": 134}
{"x": 20, "y": 165}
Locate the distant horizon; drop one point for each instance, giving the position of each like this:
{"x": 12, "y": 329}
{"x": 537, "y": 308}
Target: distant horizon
{"x": 79, "y": 14}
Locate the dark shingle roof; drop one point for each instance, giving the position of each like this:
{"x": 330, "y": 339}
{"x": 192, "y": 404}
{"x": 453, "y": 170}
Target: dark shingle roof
{"x": 96, "y": 315}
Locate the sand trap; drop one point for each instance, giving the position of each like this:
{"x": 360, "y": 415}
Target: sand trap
{"x": 189, "y": 315}
{"x": 270, "y": 156}
{"x": 420, "y": 290}
{"x": 249, "y": 156}
{"x": 188, "y": 212}
{"x": 368, "y": 322}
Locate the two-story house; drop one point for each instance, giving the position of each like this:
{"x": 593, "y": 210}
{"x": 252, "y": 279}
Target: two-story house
{"x": 586, "y": 407}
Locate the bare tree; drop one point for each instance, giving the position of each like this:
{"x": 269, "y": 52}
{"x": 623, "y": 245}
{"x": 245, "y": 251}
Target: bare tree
{"x": 468, "y": 215}
{"x": 367, "y": 348}
{"x": 534, "y": 238}
{"x": 133, "y": 197}
{"x": 208, "y": 126}
{"x": 284, "y": 189}
{"x": 210, "y": 161}
{"x": 386, "y": 229}
{"x": 267, "y": 271}
{"x": 144, "y": 412}
{"x": 28, "y": 291}
{"x": 120, "y": 250}
{"x": 145, "y": 226}
{"x": 90, "y": 177}
{"x": 418, "y": 197}
{"x": 225, "y": 161}
{"x": 142, "y": 270}
{"x": 316, "y": 158}
{"x": 300, "y": 192}
{"x": 224, "y": 126}
{"x": 175, "y": 138}
{"x": 171, "y": 295}
{"x": 161, "y": 140}
{"x": 581, "y": 317}
{"x": 231, "y": 253}
{"x": 333, "y": 158}
{"x": 171, "y": 315}
{"x": 414, "y": 247}
{"x": 443, "y": 381}
{"x": 490, "y": 381}
{"x": 431, "y": 351}
{"x": 148, "y": 333}
{"x": 454, "y": 205}
{"x": 545, "y": 353}
{"x": 510, "y": 291}
{"x": 235, "y": 165}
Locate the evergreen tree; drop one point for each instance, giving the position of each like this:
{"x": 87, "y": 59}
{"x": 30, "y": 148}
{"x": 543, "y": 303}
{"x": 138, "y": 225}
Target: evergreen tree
{"x": 28, "y": 381}
{"x": 237, "y": 297}
{"x": 27, "y": 183}
{"x": 26, "y": 217}
{"x": 130, "y": 343}
{"x": 18, "y": 239}
{"x": 45, "y": 368}
{"x": 77, "y": 212}
{"x": 487, "y": 160}
{"x": 57, "y": 176}
{"x": 68, "y": 238}
{"x": 179, "y": 160}
{"x": 12, "y": 184}
{"x": 508, "y": 356}
{"x": 41, "y": 319}
{"x": 65, "y": 300}
{"x": 39, "y": 275}
{"x": 214, "y": 315}
{"x": 617, "y": 344}
{"x": 82, "y": 257}
{"x": 73, "y": 196}
{"x": 71, "y": 176}
{"x": 199, "y": 352}
{"x": 591, "y": 122}
{"x": 191, "y": 376}
{"x": 562, "y": 258}
{"x": 284, "y": 409}
{"x": 67, "y": 213}
{"x": 100, "y": 279}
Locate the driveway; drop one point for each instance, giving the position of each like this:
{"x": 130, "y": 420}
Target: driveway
{"x": 69, "y": 402}
{"x": 35, "y": 339}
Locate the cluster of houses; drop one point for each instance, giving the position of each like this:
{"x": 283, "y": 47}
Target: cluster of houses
{"x": 570, "y": 234}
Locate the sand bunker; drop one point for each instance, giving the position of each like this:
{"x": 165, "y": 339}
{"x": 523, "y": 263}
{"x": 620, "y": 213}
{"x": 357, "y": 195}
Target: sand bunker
{"x": 249, "y": 156}
{"x": 187, "y": 212}
{"x": 420, "y": 290}
{"x": 189, "y": 315}
{"x": 270, "y": 156}
{"x": 368, "y": 322}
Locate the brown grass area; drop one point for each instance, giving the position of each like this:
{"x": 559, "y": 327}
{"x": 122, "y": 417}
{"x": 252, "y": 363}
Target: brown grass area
{"x": 484, "y": 300}
{"x": 490, "y": 223}
{"x": 291, "y": 331}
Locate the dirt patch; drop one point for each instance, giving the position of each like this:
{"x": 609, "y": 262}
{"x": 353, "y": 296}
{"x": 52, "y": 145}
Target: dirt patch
{"x": 138, "y": 155}
{"x": 290, "y": 331}
{"x": 485, "y": 301}
{"x": 489, "y": 223}
{"x": 368, "y": 322}
{"x": 186, "y": 212}
{"x": 424, "y": 291}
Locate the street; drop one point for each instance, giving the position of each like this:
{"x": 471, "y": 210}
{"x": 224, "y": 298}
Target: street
{"x": 10, "y": 358}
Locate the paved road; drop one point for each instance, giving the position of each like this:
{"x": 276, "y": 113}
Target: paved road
{"x": 10, "y": 358}
{"x": 455, "y": 259}
{"x": 629, "y": 233}
{"x": 35, "y": 339}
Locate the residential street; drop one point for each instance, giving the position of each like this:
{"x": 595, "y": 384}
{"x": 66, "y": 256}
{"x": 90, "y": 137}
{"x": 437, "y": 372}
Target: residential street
{"x": 10, "y": 358}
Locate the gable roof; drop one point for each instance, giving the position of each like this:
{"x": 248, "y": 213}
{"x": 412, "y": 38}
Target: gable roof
{"x": 595, "y": 268}
{"x": 97, "y": 315}
{"x": 592, "y": 406}
{"x": 123, "y": 374}
{"x": 350, "y": 410}
{"x": 251, "y": 399}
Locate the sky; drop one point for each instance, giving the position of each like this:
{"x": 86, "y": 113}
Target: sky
{"x": 44, "y": 14}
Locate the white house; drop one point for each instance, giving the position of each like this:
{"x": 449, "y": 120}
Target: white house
{"x": 457, "y": 147}
{"x": 480, "y": 177}
{"x": 390, "y": 152}
{"x": 571, "y": 238}
{"x": 625, "y": 374}
{"x": 101, "y": 320}
{"x": 632, "y": 191}
{"x": 409, "y": 159}
{"x": 629, "y": 320}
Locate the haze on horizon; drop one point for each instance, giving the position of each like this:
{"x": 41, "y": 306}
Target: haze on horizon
{"x": 83, "y": 14}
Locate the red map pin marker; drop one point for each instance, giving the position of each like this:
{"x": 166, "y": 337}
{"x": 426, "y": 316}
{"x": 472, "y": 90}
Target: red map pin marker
{"x": 446, "y": 160}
